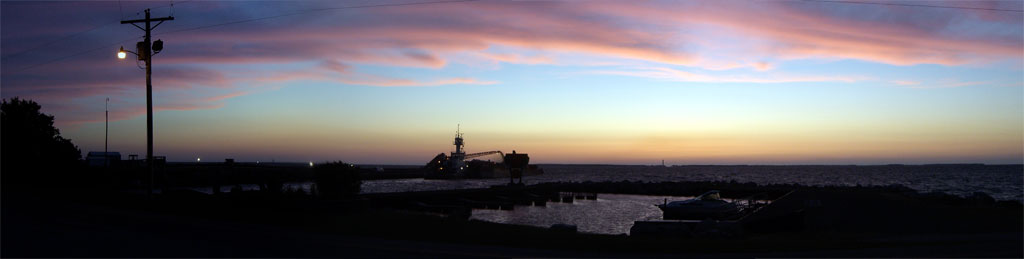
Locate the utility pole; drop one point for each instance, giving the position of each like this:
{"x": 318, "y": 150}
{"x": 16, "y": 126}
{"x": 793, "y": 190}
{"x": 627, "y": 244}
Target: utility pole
{"x": 145, "y": 52}
{"x": 106, "y": 132}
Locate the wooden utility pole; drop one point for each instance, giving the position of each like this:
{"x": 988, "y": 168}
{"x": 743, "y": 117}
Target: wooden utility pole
{"x": 144, "y": 51}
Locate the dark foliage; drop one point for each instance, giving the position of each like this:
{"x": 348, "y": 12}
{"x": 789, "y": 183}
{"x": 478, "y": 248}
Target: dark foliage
{"x": 32, "y": 148}
{"x": 337, "y": 180}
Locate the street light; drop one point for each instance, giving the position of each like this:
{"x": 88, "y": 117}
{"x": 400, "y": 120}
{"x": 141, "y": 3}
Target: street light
{"x": 144, "y": 50}
{"x": 122, "y": 53}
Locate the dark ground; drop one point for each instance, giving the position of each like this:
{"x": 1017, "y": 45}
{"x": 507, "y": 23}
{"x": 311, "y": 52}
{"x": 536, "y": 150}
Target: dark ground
{"x": 44, "y": 224}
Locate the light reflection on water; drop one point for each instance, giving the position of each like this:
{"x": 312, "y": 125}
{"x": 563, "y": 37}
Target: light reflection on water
{"x": 609, "y": 214}
{"x": 1001, "y": 182}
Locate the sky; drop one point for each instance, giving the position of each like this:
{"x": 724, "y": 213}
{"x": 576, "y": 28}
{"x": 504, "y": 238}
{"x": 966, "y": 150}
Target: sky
{"x": 612, "y": 82}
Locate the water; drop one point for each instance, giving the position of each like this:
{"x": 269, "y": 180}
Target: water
{"x": 1003, "y": 182}
{"x": 610, "y": 214}
{"x": 615, "y": 213}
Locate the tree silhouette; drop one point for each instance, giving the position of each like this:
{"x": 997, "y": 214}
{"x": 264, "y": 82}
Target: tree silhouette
{"x": 31, "y": 146}
{"x": 336, "y": 180}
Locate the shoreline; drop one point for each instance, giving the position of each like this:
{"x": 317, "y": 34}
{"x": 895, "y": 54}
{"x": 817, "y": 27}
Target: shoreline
{"x": 983, "y": 228}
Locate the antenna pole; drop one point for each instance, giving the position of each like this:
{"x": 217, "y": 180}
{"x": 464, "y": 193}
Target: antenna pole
{"x": 106, "y": 132}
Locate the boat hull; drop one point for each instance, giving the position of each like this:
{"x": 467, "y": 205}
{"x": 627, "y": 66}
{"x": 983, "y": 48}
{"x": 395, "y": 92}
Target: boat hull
{"x": 718, "y": 213}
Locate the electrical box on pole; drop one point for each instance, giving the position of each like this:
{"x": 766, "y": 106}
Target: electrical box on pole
{"x": 142, "y": 50}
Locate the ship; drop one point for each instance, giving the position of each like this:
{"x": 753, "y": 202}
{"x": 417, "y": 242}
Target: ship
{"x": 481, "y": 165}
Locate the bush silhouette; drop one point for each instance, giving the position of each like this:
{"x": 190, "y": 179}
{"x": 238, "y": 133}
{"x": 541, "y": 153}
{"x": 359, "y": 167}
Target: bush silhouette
{"x": 337, "y": 180}
{"x": 32, "y": 148}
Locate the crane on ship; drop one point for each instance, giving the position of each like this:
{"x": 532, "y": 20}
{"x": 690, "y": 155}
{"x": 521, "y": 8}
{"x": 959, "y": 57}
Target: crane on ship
{"x": 475, "y": 155}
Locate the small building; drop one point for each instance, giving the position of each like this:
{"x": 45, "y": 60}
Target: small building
{"x": 103, "y": 158}
{"x": 517, "y": 165}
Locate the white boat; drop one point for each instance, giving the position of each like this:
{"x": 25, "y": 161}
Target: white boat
{"x": 707, "y": 205}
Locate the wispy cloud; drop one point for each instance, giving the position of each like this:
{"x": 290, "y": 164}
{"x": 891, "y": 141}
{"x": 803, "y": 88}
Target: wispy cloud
{"x": 948, "y": 84}
{"x": 891, "y": 36}
{"x": 728, "y": 41}
{"x": 669, "y": 74}
{"x": 905, "y": 82}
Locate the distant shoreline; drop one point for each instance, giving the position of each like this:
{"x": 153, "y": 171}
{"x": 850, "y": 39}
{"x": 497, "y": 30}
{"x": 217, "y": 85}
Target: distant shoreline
{"x": 570, "y": 164}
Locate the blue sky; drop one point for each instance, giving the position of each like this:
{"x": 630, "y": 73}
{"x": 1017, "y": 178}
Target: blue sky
{"x": 698, "y": 82}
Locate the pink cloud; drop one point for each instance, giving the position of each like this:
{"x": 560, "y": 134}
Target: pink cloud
{"x": 762, "y": 66}
{"x": 425, "y": 35}
{"x": 124, "y": 113}
{"x": 422, "y": 36}
{"x": 669, "y": 74}
{"x": 336, "y": 66}
{"x": 516, "y": 58}
{"x": 905, "y": 82}
{"x": 708, "y": 35}
{"x": 948, "y": 84}
{"x": 792, "y": 32}
{"x": 358, "y": 78}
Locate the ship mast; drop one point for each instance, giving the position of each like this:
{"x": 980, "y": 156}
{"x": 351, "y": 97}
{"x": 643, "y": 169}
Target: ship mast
{"x": 459, "y": 154}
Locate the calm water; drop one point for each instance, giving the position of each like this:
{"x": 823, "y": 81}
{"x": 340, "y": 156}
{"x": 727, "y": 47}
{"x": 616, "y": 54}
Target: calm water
{"x": 615, "y": 213}
{"x": 609, "y": 214}
{"x": 1003, "y": 182}
{"x": 612, "y": 214}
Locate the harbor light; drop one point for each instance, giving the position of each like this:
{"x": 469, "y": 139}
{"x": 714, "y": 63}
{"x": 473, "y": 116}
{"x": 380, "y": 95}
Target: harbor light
{"x": 121, "y": 54}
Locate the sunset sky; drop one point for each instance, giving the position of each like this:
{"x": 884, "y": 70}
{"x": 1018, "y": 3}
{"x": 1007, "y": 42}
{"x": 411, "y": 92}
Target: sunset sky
{"x": 623, "y": 82}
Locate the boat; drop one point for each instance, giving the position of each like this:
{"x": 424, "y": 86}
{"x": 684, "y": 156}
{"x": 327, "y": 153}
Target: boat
{"x": 707, "y": 205}
{"x": 460, "y": 165}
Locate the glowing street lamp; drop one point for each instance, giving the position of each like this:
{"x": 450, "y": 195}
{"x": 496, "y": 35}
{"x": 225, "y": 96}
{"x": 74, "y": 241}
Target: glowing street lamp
{"x": 122, "y": 54}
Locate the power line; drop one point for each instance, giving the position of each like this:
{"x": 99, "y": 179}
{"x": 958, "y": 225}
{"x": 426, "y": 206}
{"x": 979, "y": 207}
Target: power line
{"x": 313, "y": 10}
{"x": 154, "y": 7}
{"x": 914, "y": 5}
{"x": 74, "y": 55}
{"x": 77, "y": 33}
{"x": 57, "y": 40}
{"x": 227, "y": 23}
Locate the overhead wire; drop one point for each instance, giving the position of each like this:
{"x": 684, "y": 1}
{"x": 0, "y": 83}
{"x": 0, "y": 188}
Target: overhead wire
{"x": 57, "y": 40}
{"x": 48, "y": 43}
{"x": 311, "y": 11}
{"x": 74, "y": 55}
{"x": 233, "y": 22}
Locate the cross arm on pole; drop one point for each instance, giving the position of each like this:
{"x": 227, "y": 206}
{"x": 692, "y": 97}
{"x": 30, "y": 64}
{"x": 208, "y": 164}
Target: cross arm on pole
{"x": 151, "y": 19}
